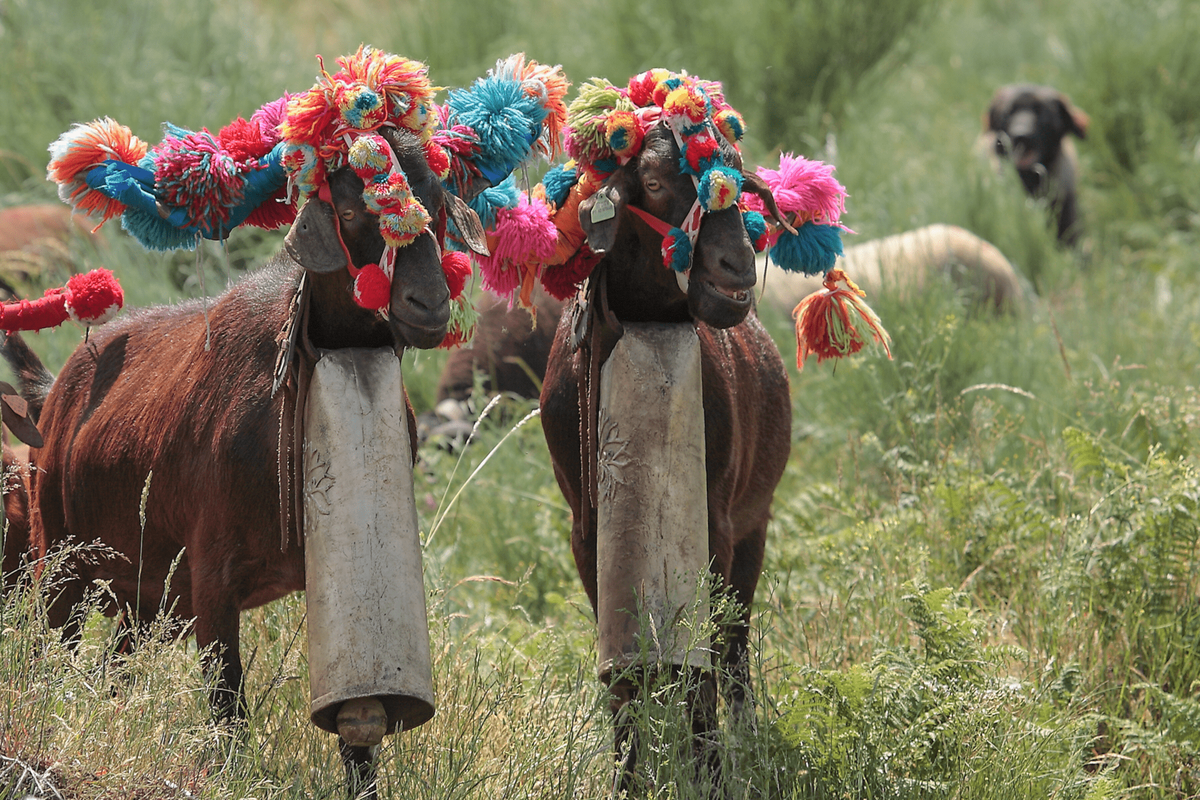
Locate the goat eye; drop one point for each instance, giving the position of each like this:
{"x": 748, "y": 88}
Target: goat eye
{"x": 348, "y": 214}
{"x": 652, "y": 185}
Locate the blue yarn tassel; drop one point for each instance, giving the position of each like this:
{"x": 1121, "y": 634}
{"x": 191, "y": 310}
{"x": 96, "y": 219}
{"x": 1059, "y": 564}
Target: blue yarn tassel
{"x": 506, "y": 120}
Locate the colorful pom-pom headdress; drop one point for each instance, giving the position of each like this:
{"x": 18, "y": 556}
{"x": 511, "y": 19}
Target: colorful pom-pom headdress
{"x": 539, "y": 238}
{"x": 813, "y": 201}
{"x": 197, "y": 184}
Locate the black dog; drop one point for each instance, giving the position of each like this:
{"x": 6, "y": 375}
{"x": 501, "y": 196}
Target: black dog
{"x": 1028, "y": 125}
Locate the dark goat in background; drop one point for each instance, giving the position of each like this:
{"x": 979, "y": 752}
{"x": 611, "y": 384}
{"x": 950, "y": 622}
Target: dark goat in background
{"x": 1029, "y": 125}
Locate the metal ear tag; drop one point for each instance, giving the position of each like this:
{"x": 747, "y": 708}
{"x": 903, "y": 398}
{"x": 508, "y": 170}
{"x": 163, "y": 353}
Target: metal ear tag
{"x": 603, "y": 208}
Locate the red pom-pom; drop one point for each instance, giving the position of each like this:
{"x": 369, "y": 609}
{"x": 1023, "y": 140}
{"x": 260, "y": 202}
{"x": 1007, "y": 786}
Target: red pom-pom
{"x": 457, "y": 266}
{"x": 243, "y": 140}
{"x": 94, "y": 297}
{"x": 560, "y": 282}
{"x": 699, "y": 151}
{"x": 276, "y": 212}
{"x": 372, "y": 288}
{"x": 438, "y": 159}
{"x": 641, "y": 88}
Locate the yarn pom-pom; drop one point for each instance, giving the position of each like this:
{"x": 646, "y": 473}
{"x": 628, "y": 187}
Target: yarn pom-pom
{"x": 93, "y": 298}
{"x": 370, "y": 155}
{"x": 730, "y": 124}
{"x": 587, "y": 118}
{"x": 457, "y": 267}
{"x": 82, "y": 149}
{"x": 463, "y": 319}
{"x": 700, "y": 153}
{"x": 243, "y": 141}
{"x": 523, "y": 234}
{"x": 438, "y": 159}
{"x": 642, "y": 86}
{"x": 269, "y": 119}
{"x": 812, "y": 250}
{"x": 558, "y": 181}
{"x": 664, "y": 88}
{"x": 561, "y": 282}
{"x": 677, "y": 250}
{"x": 756, "y": 229}
{"x": 194, "y": 173}
{"x": 624, "y": 134}
{"x": 826, "y": 321}
{"x": 372, "y": 288}
{"x": 306, "y": 171}
{"x": 688, "y": 102}
{"x": 360, "y": 107}
{"x": 400, "y": 224}
{"x": 806, "y": 188}
{"x": 719, "y": 188}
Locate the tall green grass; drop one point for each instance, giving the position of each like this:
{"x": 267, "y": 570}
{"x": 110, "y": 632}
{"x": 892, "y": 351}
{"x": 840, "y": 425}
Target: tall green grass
{"x": 981, "y": 571}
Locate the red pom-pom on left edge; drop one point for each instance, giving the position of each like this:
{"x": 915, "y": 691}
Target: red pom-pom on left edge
{"x": 94, "y": 297}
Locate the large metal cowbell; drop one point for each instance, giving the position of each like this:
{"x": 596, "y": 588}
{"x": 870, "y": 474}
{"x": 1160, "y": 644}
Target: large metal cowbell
{"x": 368, "y": 634}
{"x": 652, "y": 515}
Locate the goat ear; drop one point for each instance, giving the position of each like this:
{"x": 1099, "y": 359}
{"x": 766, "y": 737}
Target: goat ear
{"x": 15, "y": 411}
{"x": 600, "y": 214}
{"x": 752, "y": 182}
{"x": 315, "y": 241}
{"x": 468, "y": 224}
{"x": 1074, "y": 120}
{"x": 993, "y": 118}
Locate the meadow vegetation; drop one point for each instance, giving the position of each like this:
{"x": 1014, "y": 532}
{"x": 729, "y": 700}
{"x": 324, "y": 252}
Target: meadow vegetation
{"x": 983, "y": 573}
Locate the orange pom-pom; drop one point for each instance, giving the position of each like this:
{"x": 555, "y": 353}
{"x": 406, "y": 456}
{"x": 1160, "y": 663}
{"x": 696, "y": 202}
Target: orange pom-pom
{"x": 84, "y": 148}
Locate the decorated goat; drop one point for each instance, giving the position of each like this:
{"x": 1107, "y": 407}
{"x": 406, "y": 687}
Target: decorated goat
{"x": 647, "y": 214}
{"x": 199, "y": 405}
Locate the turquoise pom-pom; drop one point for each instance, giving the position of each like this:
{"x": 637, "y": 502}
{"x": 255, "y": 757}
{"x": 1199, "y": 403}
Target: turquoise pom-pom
{"x": 558, "y": 182}
{"x": 756, "y": 229}
{"x": 813, "y": 250}
{"x": 677, "y": 250}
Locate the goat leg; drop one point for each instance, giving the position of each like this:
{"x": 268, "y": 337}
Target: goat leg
{"x": 360, "y": 770}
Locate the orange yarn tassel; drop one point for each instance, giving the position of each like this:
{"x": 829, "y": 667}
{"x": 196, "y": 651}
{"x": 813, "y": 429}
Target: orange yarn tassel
{"x": 825, "y": 321}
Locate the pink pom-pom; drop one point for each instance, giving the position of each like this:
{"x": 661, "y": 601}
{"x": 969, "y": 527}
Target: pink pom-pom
{"x": 457, "y": 266}
{"x": 523, "y": 234}
{"x": 268, "y": 118}
{"x": 803, "y": 187}
{"x": 372, "y": 288}
{"x": 94, "y": 297}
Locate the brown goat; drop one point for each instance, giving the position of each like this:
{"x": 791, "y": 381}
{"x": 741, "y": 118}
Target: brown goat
{"x": 180, "y": 400}
{"x": 747, "y": 410}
